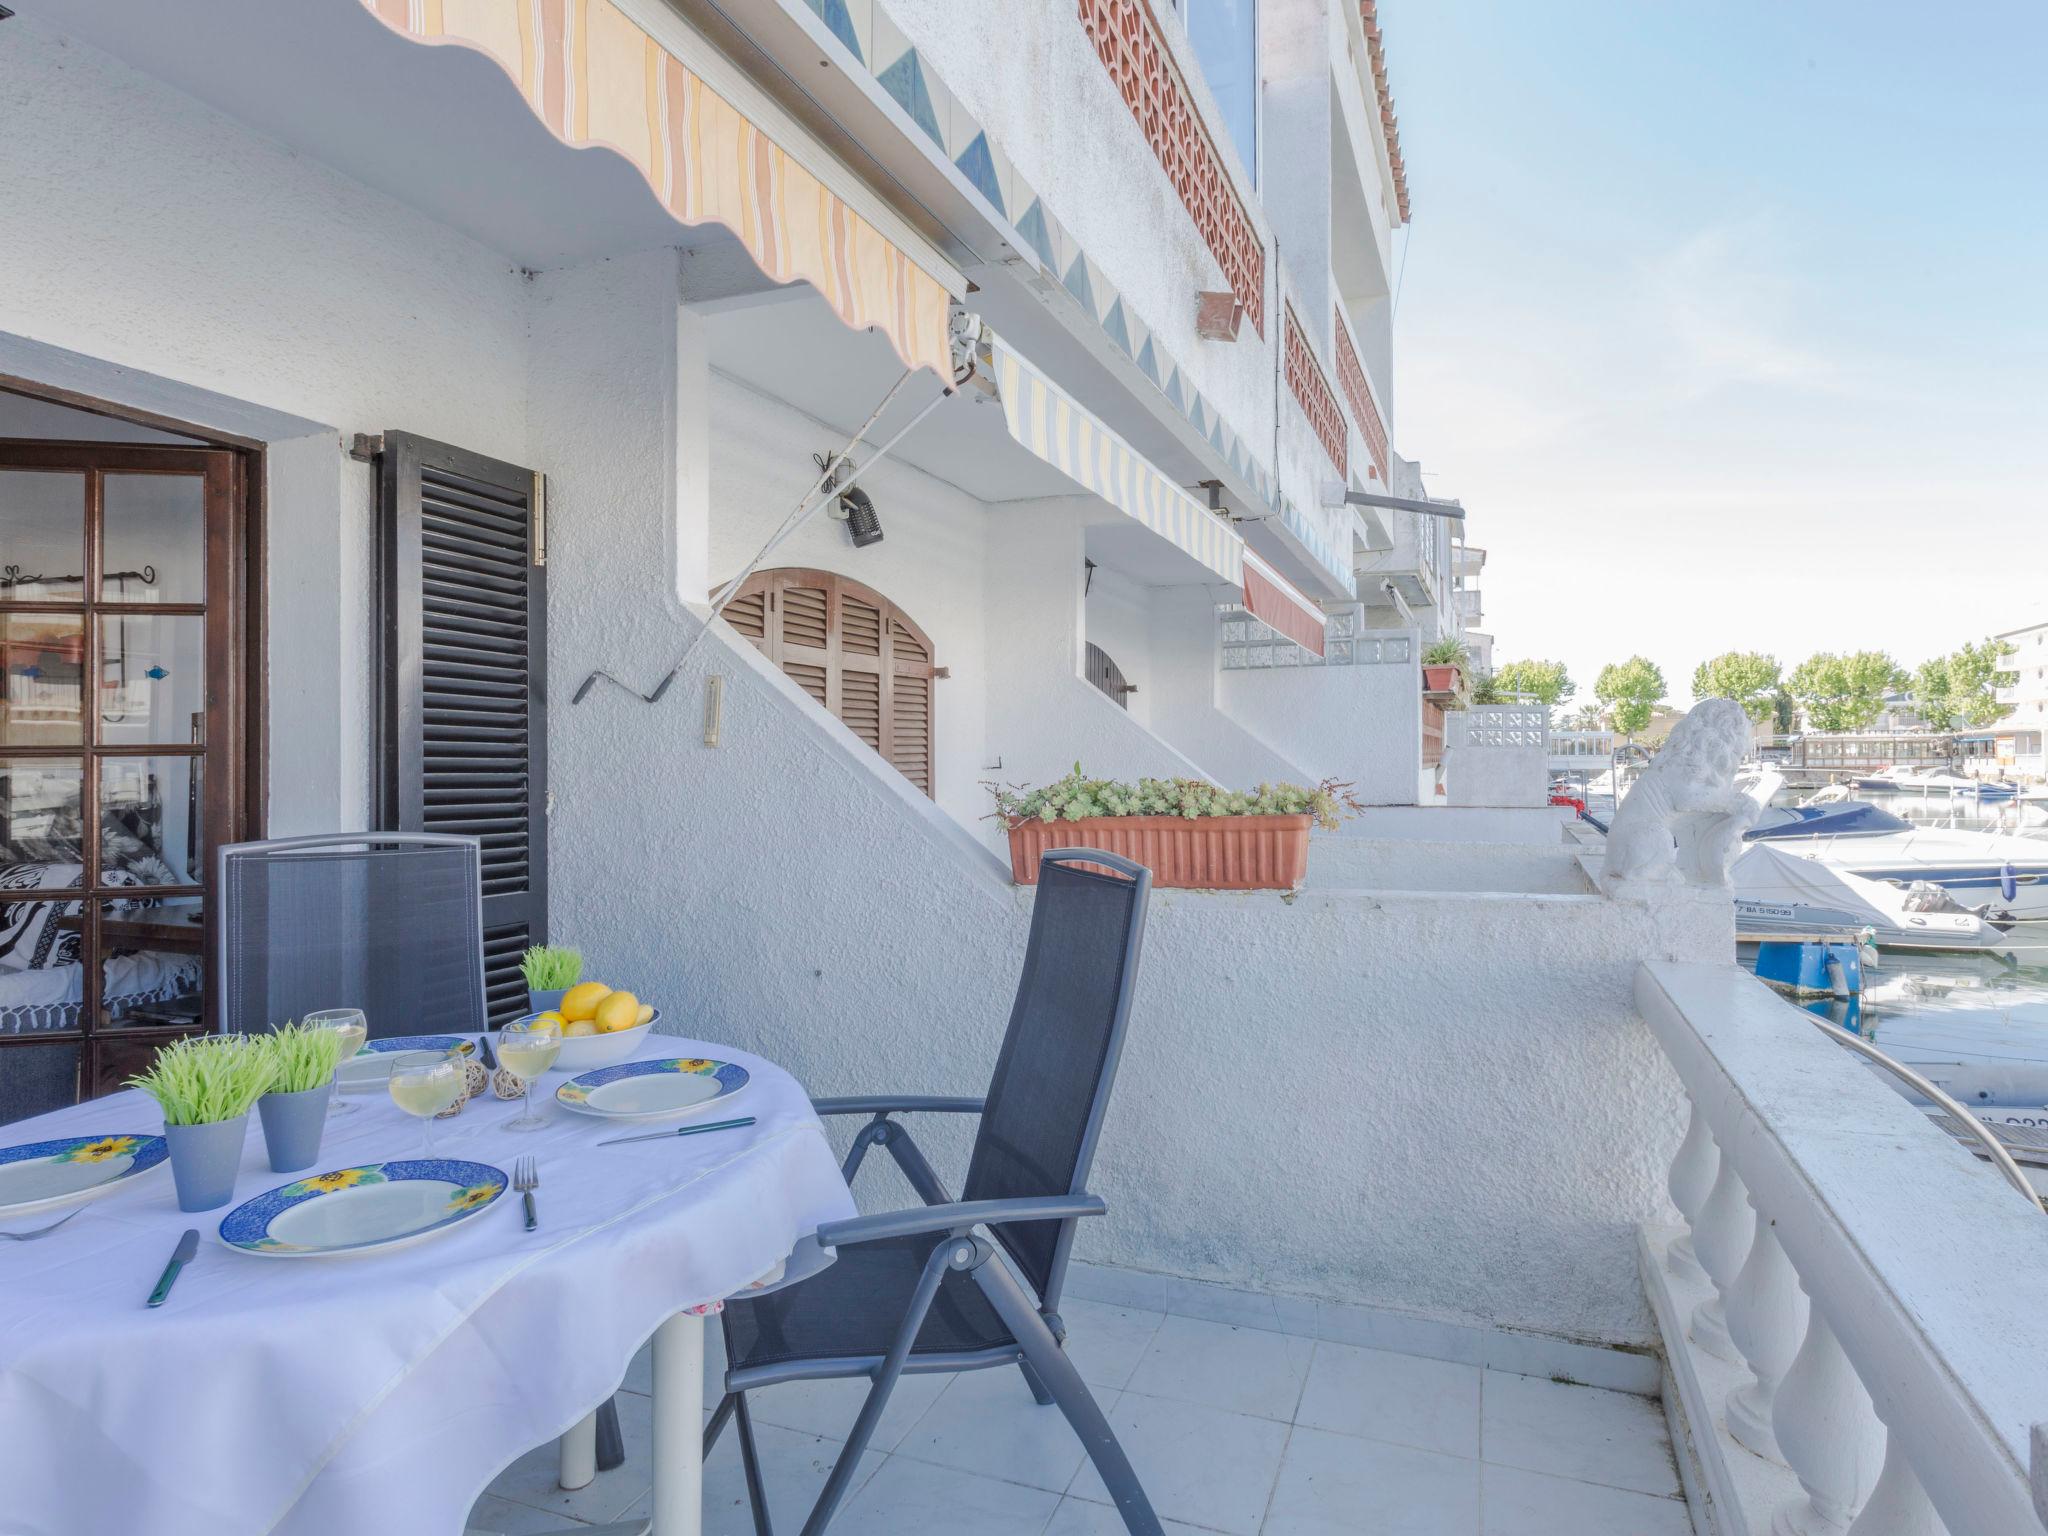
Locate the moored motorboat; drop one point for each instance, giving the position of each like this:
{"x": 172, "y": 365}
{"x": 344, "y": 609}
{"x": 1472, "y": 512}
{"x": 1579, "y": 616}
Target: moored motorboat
{"x": 1997, "y": 875}
{"x": 1780, "y": 893}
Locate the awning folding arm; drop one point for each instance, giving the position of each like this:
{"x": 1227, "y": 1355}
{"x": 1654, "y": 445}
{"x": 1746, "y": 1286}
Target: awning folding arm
{"x": 836, "y": 477}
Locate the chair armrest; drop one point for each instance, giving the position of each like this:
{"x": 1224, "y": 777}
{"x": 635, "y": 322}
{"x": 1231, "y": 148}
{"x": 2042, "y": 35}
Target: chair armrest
{"x": 896, "y": 1103}
{"x": 958, "y": 1216}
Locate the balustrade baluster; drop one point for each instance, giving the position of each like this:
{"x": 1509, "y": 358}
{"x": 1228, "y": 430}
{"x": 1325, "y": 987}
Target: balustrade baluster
{"x": 1829, "y": 1434}
{"x": 1766, "y": 1314}
{"x": 1721, "y": 1239}
{"x": 1898, "y": 1504}
{"x": 1692, "y": 1175}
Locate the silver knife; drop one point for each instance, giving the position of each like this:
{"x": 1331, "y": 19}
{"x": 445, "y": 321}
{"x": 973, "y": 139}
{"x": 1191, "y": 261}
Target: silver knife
{"x": 688, "y": 1130}
{"x": 188, "y": 1245}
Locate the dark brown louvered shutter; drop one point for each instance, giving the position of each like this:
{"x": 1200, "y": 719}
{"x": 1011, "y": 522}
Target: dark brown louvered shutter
{"x": 1106, "y": 675}
{"x": 853, "y": 651}
{"x": 462, "y": 679}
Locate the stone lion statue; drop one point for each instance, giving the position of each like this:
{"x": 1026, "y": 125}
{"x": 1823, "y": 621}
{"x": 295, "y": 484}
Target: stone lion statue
{"x": 1684, "y": 818}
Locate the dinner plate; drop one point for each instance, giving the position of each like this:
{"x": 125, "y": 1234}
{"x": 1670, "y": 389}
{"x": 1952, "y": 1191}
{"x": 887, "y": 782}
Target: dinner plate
{"x": 372, "y": 1066}
{"x": 355, "y": 1210}
{"x": 651, "y": 1090}
{"x": 44, "y": 1173}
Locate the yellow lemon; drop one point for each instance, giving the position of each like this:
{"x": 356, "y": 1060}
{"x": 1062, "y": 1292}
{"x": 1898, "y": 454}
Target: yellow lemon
{"x": 646, "y": 1013}
{"x": 620, "y": 1010}
{"x": 579, "y": 1029}
{"x": 552, "y": 1017}
{"x": 581, "y": 1000}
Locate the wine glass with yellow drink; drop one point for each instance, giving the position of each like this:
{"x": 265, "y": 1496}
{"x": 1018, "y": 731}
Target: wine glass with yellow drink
{"x": 527, "y": 1049}
{"x": 353, "y": 1029}
{"x": 423, "y": 1089}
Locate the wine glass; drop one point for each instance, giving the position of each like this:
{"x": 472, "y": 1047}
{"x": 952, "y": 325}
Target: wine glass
{"x": 354, "y": 1029}
{"x": 424, "y": 1089}
{"x": 527, "y": 1049}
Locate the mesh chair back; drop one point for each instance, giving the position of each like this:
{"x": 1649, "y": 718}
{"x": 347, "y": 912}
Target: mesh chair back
{"x": 1058, "y": 1062}
{"x": 388, "y": 922}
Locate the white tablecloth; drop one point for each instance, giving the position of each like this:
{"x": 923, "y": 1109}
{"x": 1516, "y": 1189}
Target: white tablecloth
{"x": 375, "y": 1395}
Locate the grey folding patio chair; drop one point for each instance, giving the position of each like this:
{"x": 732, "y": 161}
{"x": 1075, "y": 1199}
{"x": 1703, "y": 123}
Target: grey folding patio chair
{"x": 388, "y": 922}
{"x": 964, "y": 1285}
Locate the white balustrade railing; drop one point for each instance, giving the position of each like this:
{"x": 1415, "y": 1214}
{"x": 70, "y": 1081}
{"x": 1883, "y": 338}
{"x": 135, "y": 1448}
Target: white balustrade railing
{"x": 1886, "y": 1292}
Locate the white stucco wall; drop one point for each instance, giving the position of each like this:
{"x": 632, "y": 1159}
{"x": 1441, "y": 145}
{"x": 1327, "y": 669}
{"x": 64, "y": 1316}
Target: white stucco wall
{"x": 202, "y": 271}
{"x": 930, "y": 561}
{"x": 1185, "y": 708}
{"x": 1043, "y": 717}
{"x": 1360, "y": 724}
{"x": 1033, "y": 78}
{"x": 1118, "y": 617}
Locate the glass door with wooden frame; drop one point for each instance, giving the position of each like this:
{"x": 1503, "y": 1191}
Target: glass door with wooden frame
{"x": 121, "y": 766}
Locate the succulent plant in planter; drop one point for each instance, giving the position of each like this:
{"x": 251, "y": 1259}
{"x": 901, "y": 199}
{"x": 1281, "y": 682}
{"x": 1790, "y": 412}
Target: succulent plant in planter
{"x": 1189, "y": 832}
{"x": 205, "y": 1087}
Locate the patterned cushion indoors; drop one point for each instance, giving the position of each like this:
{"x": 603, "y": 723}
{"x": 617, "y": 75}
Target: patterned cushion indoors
{"x": 29, "y": 936}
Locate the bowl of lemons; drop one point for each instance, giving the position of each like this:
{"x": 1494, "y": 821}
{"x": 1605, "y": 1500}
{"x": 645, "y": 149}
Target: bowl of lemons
{"x": 600, "y": 1025}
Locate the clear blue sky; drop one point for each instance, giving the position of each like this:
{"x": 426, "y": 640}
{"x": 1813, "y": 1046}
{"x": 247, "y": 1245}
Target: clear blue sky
{"x": 1729, "y": 322}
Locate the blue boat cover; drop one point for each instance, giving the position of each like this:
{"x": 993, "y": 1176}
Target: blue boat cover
{"x": 1844, "y": 818}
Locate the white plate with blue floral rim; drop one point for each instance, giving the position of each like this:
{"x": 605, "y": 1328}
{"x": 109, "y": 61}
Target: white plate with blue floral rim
{"x": 372, "y": 1066}
{"x": 652, "y": 1090}
{"x": 45, "y": 1173}
{"x": 357, "y": 1210}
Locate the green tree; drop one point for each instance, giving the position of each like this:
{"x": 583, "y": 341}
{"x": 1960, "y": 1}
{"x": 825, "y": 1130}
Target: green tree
{"x": 1930, "y": 693}
{"x": 1631, "y": 690}
{"x": 1845, "y": 692}
{"x": 1545, "y": 681}
{"x": 1750, "y": 678}
{"x": 1975, "y": 674}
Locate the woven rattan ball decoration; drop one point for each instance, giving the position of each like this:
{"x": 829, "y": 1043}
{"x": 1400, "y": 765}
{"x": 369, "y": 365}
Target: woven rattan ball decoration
{"x": 505, "y": 1084}
{"x": 478, "y": 1074}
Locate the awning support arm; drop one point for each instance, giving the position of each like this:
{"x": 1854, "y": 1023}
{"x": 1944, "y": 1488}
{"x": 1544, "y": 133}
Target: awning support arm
{"x": 1334, "y": 495}
{"x": 826, "y": 486}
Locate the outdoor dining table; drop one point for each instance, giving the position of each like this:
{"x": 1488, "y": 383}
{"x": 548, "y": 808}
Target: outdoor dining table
{"x": 382, "y": 1392}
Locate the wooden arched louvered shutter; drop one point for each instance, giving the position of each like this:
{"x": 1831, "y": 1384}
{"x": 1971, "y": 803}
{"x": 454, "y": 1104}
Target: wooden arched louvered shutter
{"x": 1106, "y": 675}
{"x": 853, "y": 651}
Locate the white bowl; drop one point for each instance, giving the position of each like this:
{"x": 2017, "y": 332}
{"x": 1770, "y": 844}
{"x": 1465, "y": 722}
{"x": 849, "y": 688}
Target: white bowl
{"x": 584, "y": 1053}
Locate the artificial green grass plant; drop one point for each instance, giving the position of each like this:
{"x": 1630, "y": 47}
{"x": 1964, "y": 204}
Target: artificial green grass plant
{"x": 550, "y": 968}
{"x": 200, "y": 1081}
{"x": 302, "y": 1056}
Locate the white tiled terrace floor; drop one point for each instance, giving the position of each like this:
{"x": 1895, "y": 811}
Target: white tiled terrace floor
{"x": 1232, "y": 1429}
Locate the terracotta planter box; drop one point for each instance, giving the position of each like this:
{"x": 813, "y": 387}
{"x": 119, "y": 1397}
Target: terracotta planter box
{"x": 1440, "y": 679}
{"x": 1213, "y": 853}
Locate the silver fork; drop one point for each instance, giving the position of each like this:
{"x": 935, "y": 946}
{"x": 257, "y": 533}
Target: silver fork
{"x": 29, "y": 1237}
{"x": 526, "y": 1179}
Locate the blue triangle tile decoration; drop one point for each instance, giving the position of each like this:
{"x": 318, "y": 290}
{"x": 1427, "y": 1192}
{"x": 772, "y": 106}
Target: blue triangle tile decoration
{"x": 1119, "y": 332}
{"x": 1036, "y": 235}
{"x": 1078, "y": 285}
{"x": 1216, "y": 432}
{"x": 1148, "y": 361}
{"x": 1173, "y": 391}
{"x": 904, "y": 80}
{"x": 833, "y": 14}
{"x": 979, "y": 167}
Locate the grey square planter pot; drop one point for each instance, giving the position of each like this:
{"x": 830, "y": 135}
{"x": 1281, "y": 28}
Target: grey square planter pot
{"x": 293, "y": 1124}
{"x": 205, "y": 1160}
{"x": 541, "y": 1002}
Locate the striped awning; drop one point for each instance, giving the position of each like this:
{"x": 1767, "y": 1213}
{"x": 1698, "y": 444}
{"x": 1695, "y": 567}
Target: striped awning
{"x": 594, "y": 76}
{"x": 1277, "y": 604}
{"x": 1045, "y": 419}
